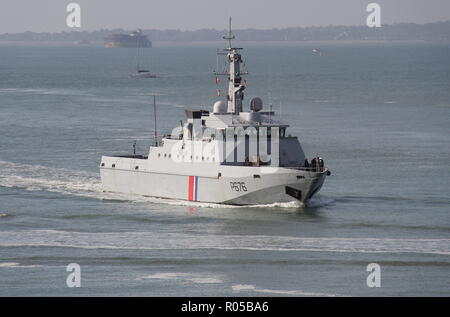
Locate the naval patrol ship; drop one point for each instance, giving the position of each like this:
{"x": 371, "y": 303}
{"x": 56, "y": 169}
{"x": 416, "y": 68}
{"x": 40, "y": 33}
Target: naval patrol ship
{"x": 229, "y": 155}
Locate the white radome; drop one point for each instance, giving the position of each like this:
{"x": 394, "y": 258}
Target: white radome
{"x": 220, "y": 107}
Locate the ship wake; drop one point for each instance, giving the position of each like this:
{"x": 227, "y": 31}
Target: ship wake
{"x": 200, "y": 241}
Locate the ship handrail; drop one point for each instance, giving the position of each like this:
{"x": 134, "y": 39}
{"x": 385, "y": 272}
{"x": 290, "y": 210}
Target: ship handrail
{"x": 316, "y": 169}
{"x": 172, "y": 137}
{"x": 212, "y": 176}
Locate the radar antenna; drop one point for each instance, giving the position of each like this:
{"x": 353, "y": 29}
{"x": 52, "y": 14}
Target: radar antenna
{"x": 236, "y": 84}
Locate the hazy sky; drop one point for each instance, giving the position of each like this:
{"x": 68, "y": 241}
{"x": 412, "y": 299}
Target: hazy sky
{"x": 50, "y": 15}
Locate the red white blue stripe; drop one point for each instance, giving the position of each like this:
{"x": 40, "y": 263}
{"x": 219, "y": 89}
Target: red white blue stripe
{"x": 193, "y": 188}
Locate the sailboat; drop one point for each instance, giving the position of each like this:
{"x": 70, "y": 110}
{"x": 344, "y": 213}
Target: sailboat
{"x": 141, "y": 72}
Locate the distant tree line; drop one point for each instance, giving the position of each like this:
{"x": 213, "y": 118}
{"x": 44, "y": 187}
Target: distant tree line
{"x": 438, "y": 31}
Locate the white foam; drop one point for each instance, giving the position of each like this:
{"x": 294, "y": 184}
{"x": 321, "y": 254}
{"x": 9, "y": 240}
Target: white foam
{"x": 35, "y": 177}
{"x": 253, "y": 288}
{"x": 42, "y": 91}
{"x": 185, "y": 277}
{"x": 16, "y": 265}
{"x": 183, "y": 241}
{"x": 291, "y": 204}
{"x": 9, "y": 264}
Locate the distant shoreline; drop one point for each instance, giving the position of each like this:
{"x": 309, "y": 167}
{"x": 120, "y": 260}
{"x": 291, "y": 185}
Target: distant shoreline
{"x": 404, "y": 32}
{"x": 220, "y": 43}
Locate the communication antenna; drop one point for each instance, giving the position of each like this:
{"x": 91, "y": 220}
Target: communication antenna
{"x": 281, "y": 108}
{"x": 230, "y": 35}
{"x": 270, "y": 105}
{"x": 154, "y": 114}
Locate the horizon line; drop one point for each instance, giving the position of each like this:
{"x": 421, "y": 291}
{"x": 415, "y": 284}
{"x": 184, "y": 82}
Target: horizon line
{"x": 220, "y": 30}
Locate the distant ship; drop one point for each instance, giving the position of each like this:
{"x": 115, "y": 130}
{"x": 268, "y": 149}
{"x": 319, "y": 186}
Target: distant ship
{"x": 135, "y": 39}
{"x": 318, "y": 51}
{"x": 228, "y": 155}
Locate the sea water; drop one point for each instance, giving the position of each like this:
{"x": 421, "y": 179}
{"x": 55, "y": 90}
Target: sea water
{"x": 378, "y": 113}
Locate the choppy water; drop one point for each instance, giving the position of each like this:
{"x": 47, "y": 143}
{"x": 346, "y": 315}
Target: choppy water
{"x": 378, "y": 113}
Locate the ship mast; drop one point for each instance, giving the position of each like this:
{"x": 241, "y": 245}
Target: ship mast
{"x": 235, "y": 84}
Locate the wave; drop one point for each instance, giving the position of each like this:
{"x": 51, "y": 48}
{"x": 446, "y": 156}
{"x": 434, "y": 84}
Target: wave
{"x": 185, "y": 277}
{"x": 36, "y": 177}
{"x": 206, "y": 278}
{"x": 319, "y": 201}
{"x": 252, "y": 288}
{"x": 395, "y": 199}
{"x": 8, "y": 264}
{"x": 196, "y": 241}
{"x": 16, "y": 265}
{"x": 43, "y": 91}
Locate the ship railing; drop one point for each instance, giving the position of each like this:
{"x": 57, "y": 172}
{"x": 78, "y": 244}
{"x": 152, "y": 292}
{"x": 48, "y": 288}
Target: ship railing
{"x": 157, "y": 140}
{"x": 317, "y": 169}
{"x": 172, "y": 137}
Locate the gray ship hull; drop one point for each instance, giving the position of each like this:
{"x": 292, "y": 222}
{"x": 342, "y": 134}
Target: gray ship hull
{"x": 224, "y": 185}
